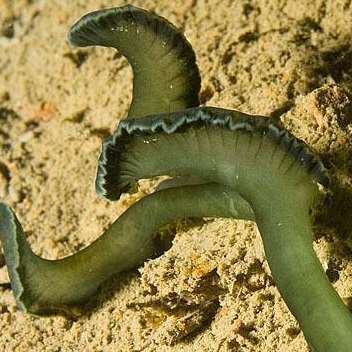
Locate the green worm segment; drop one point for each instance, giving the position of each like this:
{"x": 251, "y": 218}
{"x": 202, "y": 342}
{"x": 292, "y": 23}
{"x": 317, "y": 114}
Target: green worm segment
{"x": 255, "y": 164}
{"x": 42, "y": 286}
{"x": 166, "y": 78}
{"x": 118, "y": 170}
{"x": 165, "y": 75}
{"x": 269, "y": 168}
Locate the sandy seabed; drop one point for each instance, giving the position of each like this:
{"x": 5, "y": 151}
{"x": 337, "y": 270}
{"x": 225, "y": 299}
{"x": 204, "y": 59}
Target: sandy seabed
{"x": 212, "y": 291}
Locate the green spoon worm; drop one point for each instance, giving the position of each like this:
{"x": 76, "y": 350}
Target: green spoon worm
{"x": 165, "y": 74}
{"x": 42, "y": 286}
{"x": 269, "y": 168}
{"x": 224, "y": 163}
{"x": 117, "y": 169}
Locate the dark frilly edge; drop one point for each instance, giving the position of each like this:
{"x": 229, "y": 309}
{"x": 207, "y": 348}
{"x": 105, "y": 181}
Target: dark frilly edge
{"x": 124, "y": 28}
{"x": 110, "y": 185}
{"x": 12, "y": 239}
{"x": 96, "y": 28}
{"x": 92, "y": 29}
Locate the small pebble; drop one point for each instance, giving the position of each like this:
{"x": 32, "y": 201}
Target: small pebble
{"x": 14, "y": 194}
{"x": 4, "y": 275}
{"x": 26, "y": 137}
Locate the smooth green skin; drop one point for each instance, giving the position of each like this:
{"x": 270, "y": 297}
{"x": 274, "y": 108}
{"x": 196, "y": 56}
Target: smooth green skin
{"x": 165, "y": 74}
{"x": 166, "y": 79}
{"x": 281, "y": 194}
{"x": 281, "y": 208}
{"x": 42, "y": 286}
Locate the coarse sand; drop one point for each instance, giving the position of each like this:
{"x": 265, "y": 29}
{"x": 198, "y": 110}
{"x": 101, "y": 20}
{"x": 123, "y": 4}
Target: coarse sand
{"x": 212, "y": 291}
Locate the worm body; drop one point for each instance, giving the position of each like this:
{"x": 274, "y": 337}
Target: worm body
{"x": 269, "y": 168}
{"x": 42, "y": 286}
{"x": 165, "y": 74}
{"x": 118, "y": 168}
{"x": 224, "y": 163}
